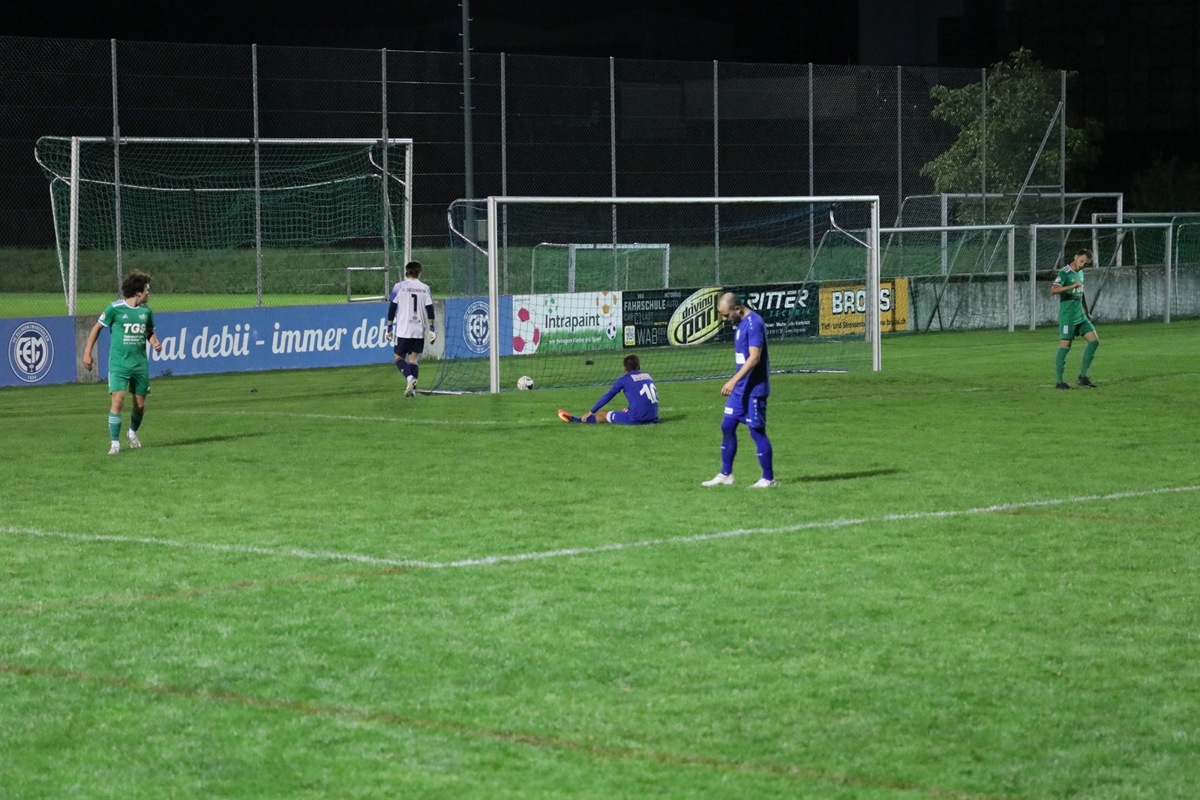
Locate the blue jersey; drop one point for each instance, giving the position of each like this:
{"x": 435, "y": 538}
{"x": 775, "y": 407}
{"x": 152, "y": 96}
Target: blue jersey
{"x": 640, "y": 393}
{"x": 752, "y": 332}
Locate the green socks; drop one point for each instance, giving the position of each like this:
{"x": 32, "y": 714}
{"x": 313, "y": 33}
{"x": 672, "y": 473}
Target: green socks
{"x": 1060, "y": 362}
{"x": 1089, "y": 353}
{"x": 114, "y": 427}
{"x": 135, "y": 420}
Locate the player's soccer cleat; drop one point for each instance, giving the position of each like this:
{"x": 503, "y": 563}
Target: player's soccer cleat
{"x": 762, "y": 483}
{"x": 1086, "y": 382}
{"x": 1061, "y": 385}
{"x": 411, "y": 389}
{"x": 134, "y": 441}
{"x": 565, "y": 416}
{"x": 721, "y": 479}
{"x": 114, "y": 448}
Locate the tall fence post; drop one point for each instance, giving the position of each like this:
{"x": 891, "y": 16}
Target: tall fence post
{"x": 116, "y": 120}
{"x": 258, "y": 256}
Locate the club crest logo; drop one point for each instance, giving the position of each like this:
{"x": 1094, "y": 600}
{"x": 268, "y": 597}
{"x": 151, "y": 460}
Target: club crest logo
{"x": 477, "y": 327}
{"x": 31, "y": 352}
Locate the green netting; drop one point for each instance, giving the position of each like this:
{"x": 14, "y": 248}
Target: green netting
{"x": 229, "y": 216}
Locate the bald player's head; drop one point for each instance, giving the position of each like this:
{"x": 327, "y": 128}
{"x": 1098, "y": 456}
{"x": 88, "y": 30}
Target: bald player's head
{"x": 730, "y": 308}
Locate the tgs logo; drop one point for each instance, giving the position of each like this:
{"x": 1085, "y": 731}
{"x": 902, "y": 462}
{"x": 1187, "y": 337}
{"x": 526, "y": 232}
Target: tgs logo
{"x": 31, "y": 352}
{"x": 477, "y": 327}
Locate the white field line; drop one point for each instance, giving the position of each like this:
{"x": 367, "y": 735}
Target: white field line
{"x": 359, "y": 418}
{"x": 483, "y": 561}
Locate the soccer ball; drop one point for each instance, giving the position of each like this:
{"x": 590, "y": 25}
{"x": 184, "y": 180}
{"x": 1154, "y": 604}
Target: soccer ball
{"x": 524, "y": 383}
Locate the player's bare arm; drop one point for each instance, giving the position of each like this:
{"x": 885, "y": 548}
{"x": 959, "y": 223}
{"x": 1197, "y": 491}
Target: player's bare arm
{"x": 93, "y": 335}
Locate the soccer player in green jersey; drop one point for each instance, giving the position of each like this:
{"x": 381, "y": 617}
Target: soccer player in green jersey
{"x": 132, "y": 324}
{"x": 1073, "y": 319}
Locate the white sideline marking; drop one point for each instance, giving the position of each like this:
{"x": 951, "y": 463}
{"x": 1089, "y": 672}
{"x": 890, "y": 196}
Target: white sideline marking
{"x": 319, "y": 555}
{"x": 356, "y": 418}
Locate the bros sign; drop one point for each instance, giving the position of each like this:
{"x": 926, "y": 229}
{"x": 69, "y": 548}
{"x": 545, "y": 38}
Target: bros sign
{"x": 844, "y": 307}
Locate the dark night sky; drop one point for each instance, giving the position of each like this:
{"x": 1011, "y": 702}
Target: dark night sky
{"x": 1129, "y": 80}
{"x": 800, "y": 31}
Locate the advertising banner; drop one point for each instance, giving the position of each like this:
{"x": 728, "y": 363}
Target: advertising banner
{"x": 38, "y": 351}
{"x": 844, "y": 307}
{"x": 682, "y": 317}
{"x": 468, "y": 328}
{"x": 565, "y": 323}
{"x": 239, "y": 340}
{"x": 788, "y": 310}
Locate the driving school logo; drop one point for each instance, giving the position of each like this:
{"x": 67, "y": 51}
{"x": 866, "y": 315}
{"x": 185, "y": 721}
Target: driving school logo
{"x": 30, "y": 352}
{"x": 696, "y": 319}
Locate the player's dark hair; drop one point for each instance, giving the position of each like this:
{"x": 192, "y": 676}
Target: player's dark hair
{"x": 632, "y": 363}
{"x": 134, "y": 283}
{"x": 1083, "y": 251}
{"x": 412, "y": 269}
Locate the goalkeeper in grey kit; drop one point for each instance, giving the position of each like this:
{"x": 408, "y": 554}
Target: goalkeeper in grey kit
{"x": 410, "y": 315}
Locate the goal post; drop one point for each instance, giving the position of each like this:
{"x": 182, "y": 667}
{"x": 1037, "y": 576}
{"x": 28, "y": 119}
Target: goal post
{"x": 762, "y": 248}
{"x": 227, "y": 215}
{"x": 1131, "y": 288}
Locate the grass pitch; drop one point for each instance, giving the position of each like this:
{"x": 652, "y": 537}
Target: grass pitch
{"x": 304, "y": 585}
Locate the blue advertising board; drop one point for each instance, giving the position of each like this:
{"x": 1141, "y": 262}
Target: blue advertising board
{"x": 250, "y": 339}
{"x": 43, "y": 350}
{"x": 469, "y": 327}
{"x": 38, "y": 350}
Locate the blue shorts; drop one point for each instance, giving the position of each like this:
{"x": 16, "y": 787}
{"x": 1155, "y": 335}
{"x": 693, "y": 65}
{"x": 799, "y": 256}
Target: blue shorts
{"x": 751, "y": 411}
{"x": 622, "y": 418}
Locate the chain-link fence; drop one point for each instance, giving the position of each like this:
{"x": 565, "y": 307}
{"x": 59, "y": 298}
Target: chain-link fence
{"x": 536, "y": 126}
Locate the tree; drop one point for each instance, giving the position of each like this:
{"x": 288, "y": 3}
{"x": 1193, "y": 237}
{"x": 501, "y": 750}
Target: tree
{"x": 1021, "y": 99}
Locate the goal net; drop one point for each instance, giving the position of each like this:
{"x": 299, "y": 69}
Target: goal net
{"x": 249, "y": 217}
{"x": 592, "y": 262}
{"x": 959, "y": 277}
{"x": 1123, "y": 284}
{"x": 806, "y": 264}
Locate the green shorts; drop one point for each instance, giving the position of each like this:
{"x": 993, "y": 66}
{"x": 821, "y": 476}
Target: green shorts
{"x": 124, "y": 379}
{"x": 1070, "y": 330}
{"x": 1072, "y": 322}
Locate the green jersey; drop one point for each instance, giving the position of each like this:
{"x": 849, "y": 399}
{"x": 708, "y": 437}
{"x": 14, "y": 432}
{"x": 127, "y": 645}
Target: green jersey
{"x": 1068, "y": 277}
{"x": 1072, "y": 320}
{"x": 131, "y": 327}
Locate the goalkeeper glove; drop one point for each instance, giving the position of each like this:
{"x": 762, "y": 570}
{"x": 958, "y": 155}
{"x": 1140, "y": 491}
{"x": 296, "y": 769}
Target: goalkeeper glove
{"x": 390, "y": 331}
{"x": 432, "y": 335}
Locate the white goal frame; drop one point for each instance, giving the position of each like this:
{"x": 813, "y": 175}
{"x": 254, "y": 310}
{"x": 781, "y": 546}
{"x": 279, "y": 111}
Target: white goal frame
{"x": 1165, "y": 227}
{"x": 616, "y": 248}
{"x": 74, "y": 179}
{"x": 497, "y": 203}
{"x": 1007, "y": 231}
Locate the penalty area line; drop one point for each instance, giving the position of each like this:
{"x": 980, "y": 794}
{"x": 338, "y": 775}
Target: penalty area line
{"x": 574, "y": 552}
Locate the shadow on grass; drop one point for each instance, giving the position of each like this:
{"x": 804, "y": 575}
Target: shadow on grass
{"x": 847, "y": 476}
{"x": 227, "y": 437}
